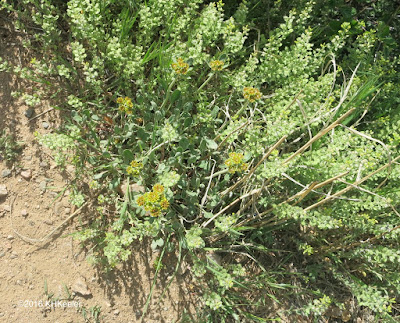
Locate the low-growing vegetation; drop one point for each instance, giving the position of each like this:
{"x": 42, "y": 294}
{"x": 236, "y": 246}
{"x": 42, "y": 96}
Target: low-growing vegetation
{"x": 9, "y": 147}
{"x": 257, "y": 139}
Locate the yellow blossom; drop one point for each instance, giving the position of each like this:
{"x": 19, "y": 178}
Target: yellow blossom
{"x": 180, "y": 67}
{"x": 158, "y": 188}
{"x": 216, "y": 65}
{"x": 125, "y": 105}
{"x": 155, "y": 212}
{"x": 251, "y": 94}
{"x": 152, "y": 197}
{"x": 140, "y": 200}
{"x": 235, "y": 162}
{"x": 164, "y": 204}
{"x": 134, "y": 168}
{"x": 155, "y": 201}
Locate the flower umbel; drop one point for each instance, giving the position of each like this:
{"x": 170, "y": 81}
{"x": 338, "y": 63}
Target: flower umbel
{"x": 134, "y": 168}
{"x": 251, "y": 94}
{"x": 235, "y": 163}
{"x": 155, "y": 201}
{"x": 140, "y": 200}
{"x": 158, "y": 188}
{"x": 164, "y": 204}
{"x": 125, "y": 105}
{"x": 180, "y": 67}
{"x": 216, "y": 65}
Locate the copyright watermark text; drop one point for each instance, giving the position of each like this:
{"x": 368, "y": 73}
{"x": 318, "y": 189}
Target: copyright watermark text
{"x": 50, "y": 303}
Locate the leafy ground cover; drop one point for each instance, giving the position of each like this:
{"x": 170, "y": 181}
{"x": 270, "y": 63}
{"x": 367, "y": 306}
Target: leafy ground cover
{"x": 259, "y": 140}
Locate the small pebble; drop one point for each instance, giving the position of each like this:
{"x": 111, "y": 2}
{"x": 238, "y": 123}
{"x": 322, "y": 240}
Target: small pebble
{"x": 116, "y": 312}
{"x": 43, "y": 164}
{"x": 6, "y": 172}
{"x": 26, "y": 174}
{"x": 70, "y": 169}
{"x": 29, "y": 157}
{"x": 14, "y": 255}
{"x": 45, "y": 125}
{"x": 2, "y": 254}
{"x": 3, "y": 191}
{"x": 67, "y": 210}
{"x": 58, "y": 208}
{"x": 24, "y": 213}
{"x": 42, "y": 186}
{"x": 7, "y": 208}
{"x": 29, "y": 113}
{"x": 10, "y": 237}
{"x": 80, "y": 287}
{"x": 48, "y": 222}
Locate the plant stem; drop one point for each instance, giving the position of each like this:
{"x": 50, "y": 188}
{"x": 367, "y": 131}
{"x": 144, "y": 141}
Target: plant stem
{"x": 155, "y": 279}
{"x": 218, "y": 173}
{"x": 237, "y": 114}
{"x": 205, "y": 82}
{"x": 167, "y": 94}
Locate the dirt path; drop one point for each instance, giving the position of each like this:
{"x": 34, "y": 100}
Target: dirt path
{"x": 33, "y": 207}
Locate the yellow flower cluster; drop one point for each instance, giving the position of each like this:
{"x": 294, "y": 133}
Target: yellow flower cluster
{"x": 216, "y": 65}
{"x": 155, "y": 201}
{"x": 180, "y": 67}
{"x": 251, "y": 94}
{"x": 134, "y": 168}
{"x": 125, "y": 105}
{"x": 235, "y": 163}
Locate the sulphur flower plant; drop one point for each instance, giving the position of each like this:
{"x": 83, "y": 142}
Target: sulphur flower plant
{"x": 180, "y": 66}
{"x": 235, "y": 162}
{"x": 125, "y": 105}
{"x": 155, "y": 201}
{"x": 251, "y": 94}
{"x": 134, "y": 168}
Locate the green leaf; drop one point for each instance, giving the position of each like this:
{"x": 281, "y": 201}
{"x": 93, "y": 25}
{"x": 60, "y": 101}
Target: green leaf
{"x": 142, "y": 135}
{"x": 203, "y": 164}
{"x": 106, "y": 154}
{"x": 211, "y": 144}
{"x": 128, "y": 156}
{"x": 99, "y": 175}
{"x": 175, "y": 96}
{"x": 184, "y": 143}
{"x": 114, "y": 183}
{"x": 208, "y": 215}
{"x": 157, "y": 243}
{"x": 188, "y": 122}
{"x": 76, "y": 117}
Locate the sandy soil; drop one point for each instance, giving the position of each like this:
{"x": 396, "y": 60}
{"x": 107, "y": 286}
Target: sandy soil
{"x": 34, "y": 207}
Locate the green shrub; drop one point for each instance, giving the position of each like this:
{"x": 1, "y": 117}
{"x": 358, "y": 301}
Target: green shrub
{"x": 264, "y": 140}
